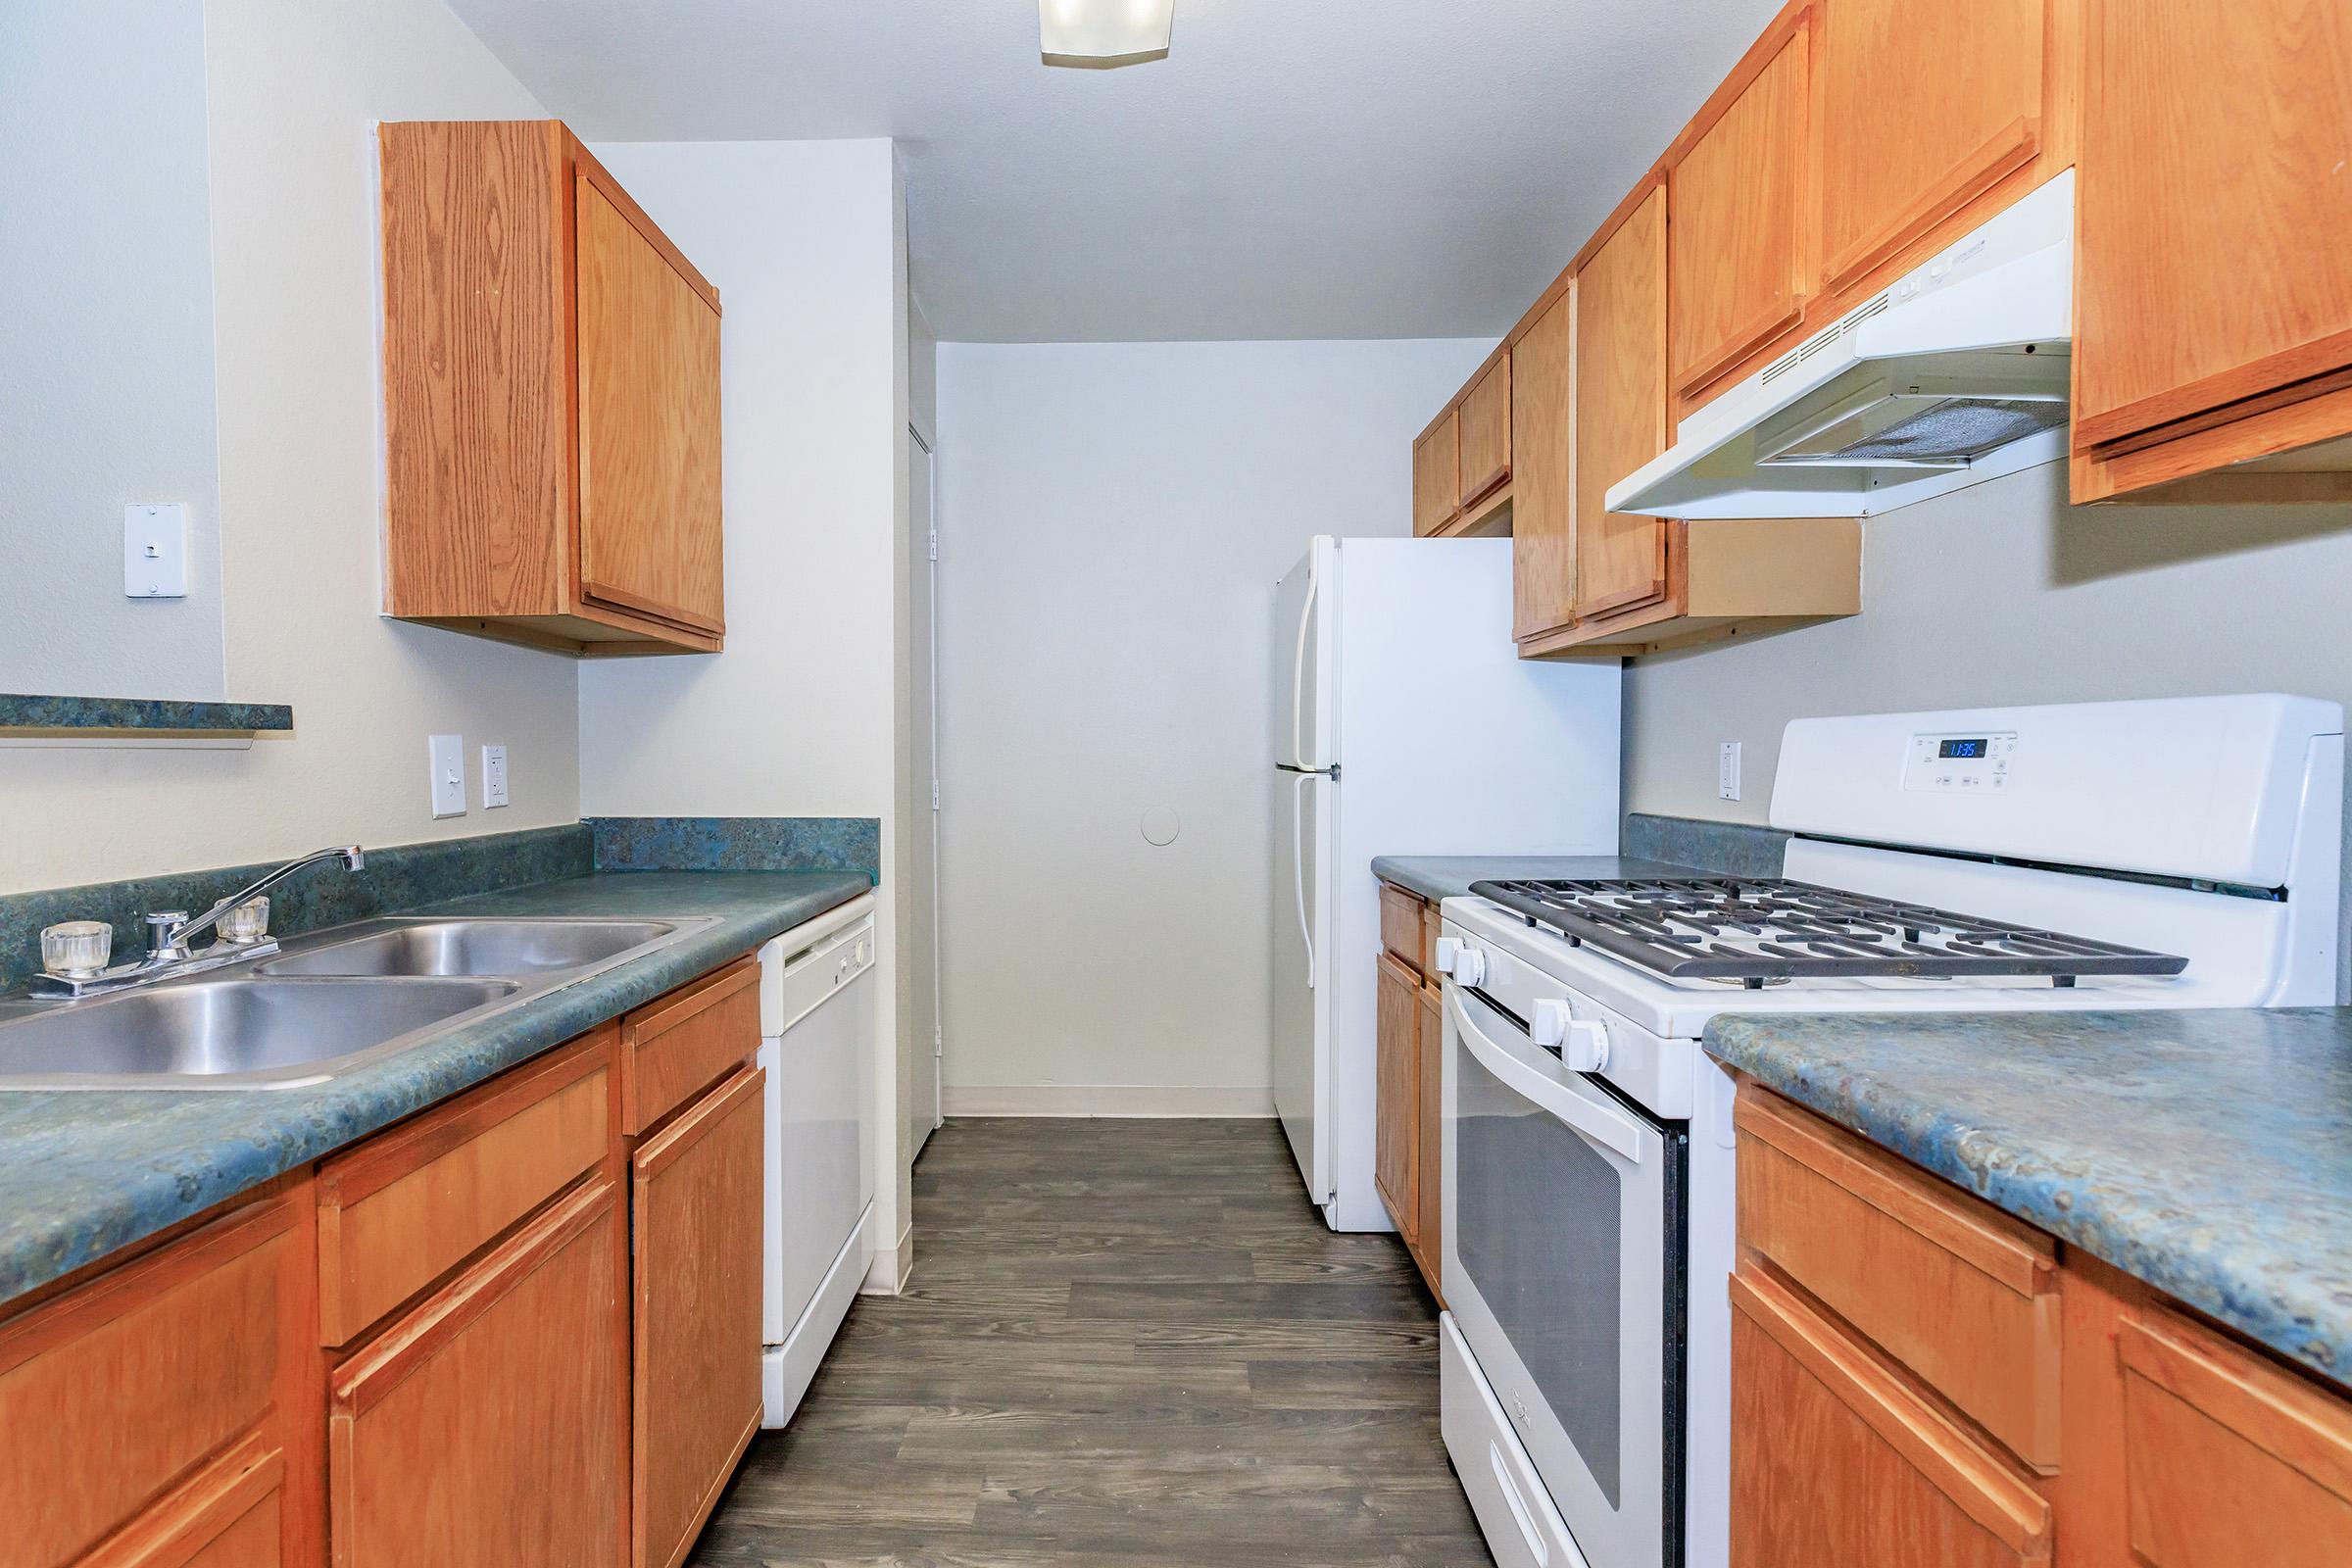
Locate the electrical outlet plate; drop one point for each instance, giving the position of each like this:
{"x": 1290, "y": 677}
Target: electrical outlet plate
{"x": 494, "y": 777}
{"x": 446, "y": 757}
{"x": 155, "y": 550}
{"x": 1726, "y": 772}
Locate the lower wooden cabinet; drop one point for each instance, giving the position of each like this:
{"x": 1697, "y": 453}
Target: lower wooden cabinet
{"x": 1429, "y": 1242}
{"x": 484, "y": 1429}
{"x": 694, "y": 1192}
{"x": 1397, "y": 1134}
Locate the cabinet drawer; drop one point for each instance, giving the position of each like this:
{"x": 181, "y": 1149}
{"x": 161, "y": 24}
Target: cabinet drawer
{"x": 2229, "y": 1462}
{"x": 403, "y": 1209}
{"x": 1401, "y": 925}
{"x": 1834, "y": 1461}
{"x": 116, "y": 1392}
{"x": 674, "y": 1048}
{"x": 1432, "y": 922}
{"x": 1962, "y": 1296}
{"x": 228, "y": 1517}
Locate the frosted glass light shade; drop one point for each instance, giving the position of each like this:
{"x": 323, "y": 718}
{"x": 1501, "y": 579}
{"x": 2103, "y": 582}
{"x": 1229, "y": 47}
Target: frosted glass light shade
{"x": 1101, "y": 33}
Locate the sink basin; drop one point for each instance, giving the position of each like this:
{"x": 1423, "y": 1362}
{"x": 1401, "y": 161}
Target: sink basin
{"x": 239, "y": 1033}
{"x": 473, "y": 948}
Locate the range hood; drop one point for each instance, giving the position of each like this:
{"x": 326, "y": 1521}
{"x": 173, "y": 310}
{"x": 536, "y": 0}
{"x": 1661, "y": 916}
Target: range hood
{"x": 1953, "y": 375}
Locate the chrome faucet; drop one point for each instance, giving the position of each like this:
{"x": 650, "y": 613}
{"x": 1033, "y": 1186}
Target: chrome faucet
{"x": 167, "y": 952}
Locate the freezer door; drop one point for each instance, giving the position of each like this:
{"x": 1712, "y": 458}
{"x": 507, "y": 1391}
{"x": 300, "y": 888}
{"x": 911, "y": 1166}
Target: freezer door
{"x": 1302, "y": 959}
{"x": 1303, "y": 729}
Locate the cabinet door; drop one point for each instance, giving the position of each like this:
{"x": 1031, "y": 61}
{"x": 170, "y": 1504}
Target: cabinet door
{"x": 1437, "y": 476}
{"x": 1396, "y": 1077}
{"x": 1432, "y": 1237}
{"x": 1485, "y": 433}
{"x": 1924, "y": 104}
{"x": 1834, "y": 1460}
{"x": 1620, "y": 412}
{"x": 695, "y": 1195}
{"x": 2211, "y": 217}
{"x": 1543, "y": 478}
{"x": 648, "y": 345}
{"x": 1738, "y": 243}
{"x": 2229, "y": 1462}
{"x": 484, "y": 1429}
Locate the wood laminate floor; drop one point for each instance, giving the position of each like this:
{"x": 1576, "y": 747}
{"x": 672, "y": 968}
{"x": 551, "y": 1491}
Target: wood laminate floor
{"x": 1128, "y": 1344}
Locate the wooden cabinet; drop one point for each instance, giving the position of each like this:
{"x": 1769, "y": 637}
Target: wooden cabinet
{"x": 1738, "y": 227}
{"x": 1620, "y": 419}
{"x": 1483, "y": 444}
{"x": 1396, "y": 1140}
{"x": 673, "y": 1047}
{"x": 2213, "y": 296}
{"x": 1437, "y": 474}
{"x": 695, "y": 1195}
{"x": 155, "y": 1411}
{"x": 1543, "y": 436}
{"x": 1925, "y": 104}
{"x": 1408, "y": 1156}
{"x": 551, "y": 399}
{"x": 483, "y": 1430}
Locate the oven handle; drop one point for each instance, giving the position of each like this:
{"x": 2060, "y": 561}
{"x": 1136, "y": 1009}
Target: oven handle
{"x": 1595, "y": 1122}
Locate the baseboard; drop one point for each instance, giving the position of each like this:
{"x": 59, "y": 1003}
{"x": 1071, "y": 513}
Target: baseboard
{"x": 1104, "y": 1099}
{"x": 887, "y": 1274}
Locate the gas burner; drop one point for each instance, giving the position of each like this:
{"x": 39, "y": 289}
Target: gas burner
{"x": 1761, "y": 931}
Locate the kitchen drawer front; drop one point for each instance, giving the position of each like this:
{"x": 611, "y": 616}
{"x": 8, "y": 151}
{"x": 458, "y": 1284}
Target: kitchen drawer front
{"x": 1432, "y": 922}
{"x": 1401, "y": 925}
{"x": 1961, "y": 1295}
{"x": 228, "y": 1517}
{"x": 674, "y": 1048}
{"x": 1836, "y": 1462}
{"x": 2229, "y": 1462}
{"x": 133, "y": 1381}
{"x": 401, "y": 1211}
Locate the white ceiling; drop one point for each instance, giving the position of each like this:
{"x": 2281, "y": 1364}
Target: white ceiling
{"x": 1294, "y": 168}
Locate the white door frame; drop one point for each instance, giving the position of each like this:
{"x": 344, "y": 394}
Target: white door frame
{"x": 931, "y": 718}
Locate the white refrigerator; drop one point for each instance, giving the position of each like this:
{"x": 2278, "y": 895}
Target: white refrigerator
{"x": 1404, "y": 724}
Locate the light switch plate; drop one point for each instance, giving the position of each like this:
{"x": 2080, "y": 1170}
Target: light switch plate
{"x": 494, "y": 776}
{"x": 446, "y": 754}
{"x": 1726, "y": 772}
{"x": 155, "y": 550}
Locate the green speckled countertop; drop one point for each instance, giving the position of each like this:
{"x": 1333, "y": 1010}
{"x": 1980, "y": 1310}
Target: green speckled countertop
{"x": 2207, "y": 1152}
{"x": 88, "y": 1171}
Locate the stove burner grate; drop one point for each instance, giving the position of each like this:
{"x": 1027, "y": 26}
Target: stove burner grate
{"x": 1755, "y": 930}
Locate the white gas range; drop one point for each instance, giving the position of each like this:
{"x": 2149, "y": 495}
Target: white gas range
{"x": 2166, "y": 854}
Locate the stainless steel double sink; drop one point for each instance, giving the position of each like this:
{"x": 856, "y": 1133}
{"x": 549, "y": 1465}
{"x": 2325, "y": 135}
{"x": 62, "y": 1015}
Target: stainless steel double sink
{"x": 320, "y": 1006}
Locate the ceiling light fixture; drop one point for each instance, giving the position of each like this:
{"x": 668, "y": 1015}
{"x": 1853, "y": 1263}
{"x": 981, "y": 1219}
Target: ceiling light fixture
{"x": 1099, "y": 34}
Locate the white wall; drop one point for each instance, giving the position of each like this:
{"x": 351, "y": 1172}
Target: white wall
{"x": 799, "y": 717}
{"x": 1113, "y": 520}
{"x": 293, "y": 89}
{"x": 106, "y": 331}
{"x": 2002, "y": 593}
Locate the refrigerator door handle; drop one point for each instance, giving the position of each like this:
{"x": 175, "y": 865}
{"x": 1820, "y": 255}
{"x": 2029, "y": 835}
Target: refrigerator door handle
{"x": 1298, "y": 695}
{"x": 1298, "y": 870}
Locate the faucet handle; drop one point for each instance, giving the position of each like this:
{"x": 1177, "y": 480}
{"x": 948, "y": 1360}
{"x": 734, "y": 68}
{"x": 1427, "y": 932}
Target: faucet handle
{"x": 159, "y": 926}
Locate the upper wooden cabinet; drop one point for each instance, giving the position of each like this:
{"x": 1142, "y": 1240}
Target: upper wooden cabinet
{"x": 1485, "y": 433}
{"x": 1544, "y": 451}
{"x": 1738, "y": 194}
{"x": 2213, "y": 296}
{"x": 1924, "y": 104}
{"x": 551, "y": 399}
{"x": 1620, "y": 411}
{"x": 1437, "y": 474}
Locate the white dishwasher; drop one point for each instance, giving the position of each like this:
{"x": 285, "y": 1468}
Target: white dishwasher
{"x": 817, "y": 1022}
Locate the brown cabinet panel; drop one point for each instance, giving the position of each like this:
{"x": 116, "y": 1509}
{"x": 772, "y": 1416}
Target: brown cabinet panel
{"x": 1544, "y": 472}
{"x": 1400, "y": 924}
{"x": 1924, "y": 104}
{"x": 1833, "y": 1460}
{"x": 228, "y": 1517}
{"x": 1437, "y": 476}
{"x": 484, "y": 1429}
{"x": 1430, "y": 1243}
{"x": 2214, "y": 233}
{"x": 1737, "y": 223}
{"x": 680, "y": 1044}
{"x": 1485, "y": 433}
{"x": 1396, "y": 1117}
{"x": 650, "y": 537}
{"x": 1620, "y": 412}
{"x": 696, "y": 1190}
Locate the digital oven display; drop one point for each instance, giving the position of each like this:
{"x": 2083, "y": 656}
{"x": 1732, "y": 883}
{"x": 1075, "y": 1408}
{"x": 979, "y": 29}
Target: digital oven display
{"x": 1963, "y": 749}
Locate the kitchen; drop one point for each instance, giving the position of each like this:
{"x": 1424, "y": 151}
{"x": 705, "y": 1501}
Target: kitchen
{"x": 776, "y": 544}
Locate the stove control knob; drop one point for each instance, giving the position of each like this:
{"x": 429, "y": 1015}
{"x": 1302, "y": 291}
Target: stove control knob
{"x": 1586, "y": 1048}
{"x": 1449, "y": 949}
{"x": 1550, "y": 1025}
{"x": 1469, "y": 967}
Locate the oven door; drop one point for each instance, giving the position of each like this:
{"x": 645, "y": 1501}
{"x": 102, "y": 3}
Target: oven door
{"x": 1565, "y": 1269}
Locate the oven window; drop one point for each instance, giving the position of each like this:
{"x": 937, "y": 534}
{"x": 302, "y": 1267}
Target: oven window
{"x": 1539, "y": 1220}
